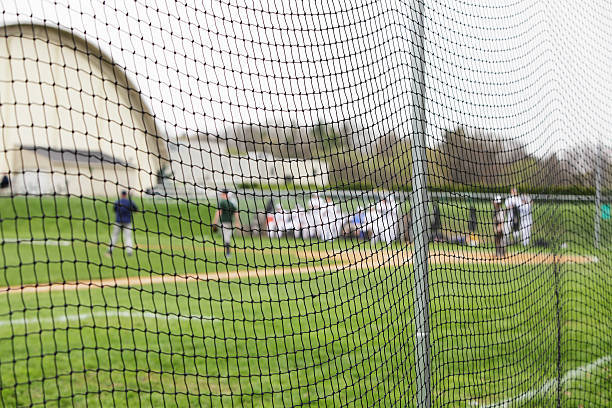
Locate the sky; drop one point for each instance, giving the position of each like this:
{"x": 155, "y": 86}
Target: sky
{"x": 534, "y": 71}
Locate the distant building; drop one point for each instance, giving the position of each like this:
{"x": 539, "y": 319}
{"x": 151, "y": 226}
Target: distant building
{"x": 64, "y": 171}
{"x": 72, "y": 122}
{"x": 204, "y": 161}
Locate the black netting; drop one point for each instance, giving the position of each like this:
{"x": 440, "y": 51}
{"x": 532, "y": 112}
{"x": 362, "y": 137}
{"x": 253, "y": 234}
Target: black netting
{"x": 360, "y": 203}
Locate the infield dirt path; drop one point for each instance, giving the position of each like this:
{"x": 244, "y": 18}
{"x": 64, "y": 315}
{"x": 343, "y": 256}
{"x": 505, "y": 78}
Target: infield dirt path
{"x": 343, "y": 261}
{"x": 397, "y": 258}
{"x": 384, "y": 255}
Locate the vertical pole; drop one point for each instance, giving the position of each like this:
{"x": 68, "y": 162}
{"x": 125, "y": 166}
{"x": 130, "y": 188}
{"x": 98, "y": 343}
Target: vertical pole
{"x": 420, "y": 211}
{"x": 559, "y": 326}
{"x": 598, "y": 166}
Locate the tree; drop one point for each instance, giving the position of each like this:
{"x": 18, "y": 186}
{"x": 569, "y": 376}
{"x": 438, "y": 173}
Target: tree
{"x": 478, "y": 159}
{"x": 392, "y": 162}
{"x": 331, "y": 138}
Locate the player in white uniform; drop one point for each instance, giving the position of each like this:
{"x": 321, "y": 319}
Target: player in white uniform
{"x": 388, "y": 211}
{"x": 372, "y": 223}
{"x": 330, "y": 216}
{"x": 499, "y": 227}
{"x": 339, "y": 220}
{"x": 384, "y": 221}
{"x": 309, "y": 230}
{"x": 276, "y": 228}
{"x": 512, "y": 204}
{"x": 526, "y": 218}
{"x": 314, "y": 217}
{"x": 298, "y": 223}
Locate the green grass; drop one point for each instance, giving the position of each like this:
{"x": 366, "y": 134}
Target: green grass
{"x": 339, "y": 338}
{"x": 566, "y": 223}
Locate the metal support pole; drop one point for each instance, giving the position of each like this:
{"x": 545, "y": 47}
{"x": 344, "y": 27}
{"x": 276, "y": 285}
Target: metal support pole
{"x": 420, "y": 209}
{"x": 559, "y": 327}
{"x": 598, "y": 166}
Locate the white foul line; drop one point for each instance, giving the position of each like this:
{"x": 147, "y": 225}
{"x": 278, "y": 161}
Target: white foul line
{"x": 77, "y": 317}
{"x": 32, "y": 241}
{"x": 550, "y": 384}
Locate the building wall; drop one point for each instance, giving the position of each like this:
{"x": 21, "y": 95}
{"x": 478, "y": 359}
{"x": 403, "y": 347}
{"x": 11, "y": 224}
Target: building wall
{"x": 205, "y": 162}
{"x": 67, "y": 177}
{"x": 60, "y": 92}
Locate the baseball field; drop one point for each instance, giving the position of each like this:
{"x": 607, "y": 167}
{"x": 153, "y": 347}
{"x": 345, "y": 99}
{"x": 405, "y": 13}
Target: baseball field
{"x": 287, "y": 322}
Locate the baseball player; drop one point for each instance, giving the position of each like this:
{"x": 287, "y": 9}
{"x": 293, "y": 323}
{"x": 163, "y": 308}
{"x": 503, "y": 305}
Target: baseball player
{"x": 330, "y": 218}
{"x": 526, "y": 218}
{"x": 472, "y": 239}
{"x": 227, "y": 215}
{"x": 387, "y": 210}
{"x": 373, "y": 224}
{"x": 355, "y": 226}
{"x": 298, "y": 221}
{"x": 436, "y": 224}
{"x": 512, "y": 204}
{"x": 123, "y": 207}
{"x": 314, "y": 216}
{"x": 498, "y": 227}
{"x": 277, "y": 227}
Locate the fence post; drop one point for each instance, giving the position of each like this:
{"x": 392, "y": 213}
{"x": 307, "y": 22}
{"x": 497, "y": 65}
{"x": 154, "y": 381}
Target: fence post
{"x": 559, "y": 326}
{"x": 420, "y": 209}
{"x": 598, "y": 166}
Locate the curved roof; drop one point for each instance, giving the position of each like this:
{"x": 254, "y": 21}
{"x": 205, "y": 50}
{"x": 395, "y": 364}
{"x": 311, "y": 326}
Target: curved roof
{"x": 140, "y": 112}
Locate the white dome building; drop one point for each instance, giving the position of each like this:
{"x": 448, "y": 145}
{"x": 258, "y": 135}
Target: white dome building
{"x": 71, "y": 122}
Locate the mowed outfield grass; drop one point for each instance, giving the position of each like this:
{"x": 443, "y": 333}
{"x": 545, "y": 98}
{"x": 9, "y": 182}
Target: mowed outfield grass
{"x": 328, "y": 338}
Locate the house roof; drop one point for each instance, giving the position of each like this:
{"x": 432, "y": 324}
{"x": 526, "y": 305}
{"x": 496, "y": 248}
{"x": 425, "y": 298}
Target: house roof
{"x": 141, "y": 113}
{"x": 75, "y": 156}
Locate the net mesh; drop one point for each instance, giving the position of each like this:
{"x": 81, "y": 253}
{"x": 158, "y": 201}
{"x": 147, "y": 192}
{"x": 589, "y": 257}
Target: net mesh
{"x": 361, "y": 203}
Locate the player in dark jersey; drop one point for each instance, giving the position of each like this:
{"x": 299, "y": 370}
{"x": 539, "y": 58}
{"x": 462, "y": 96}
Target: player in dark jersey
{"x": 123, "y": 208}
{"x": 227, "y": 216}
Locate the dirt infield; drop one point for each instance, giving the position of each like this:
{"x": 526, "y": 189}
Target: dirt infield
{"x": 401, "y": 256}
{"x": 458, "y": 256}
{"x": 397, "y": 258}
{"x": 343, "y": 261}
{"x": 136, "y": 281}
